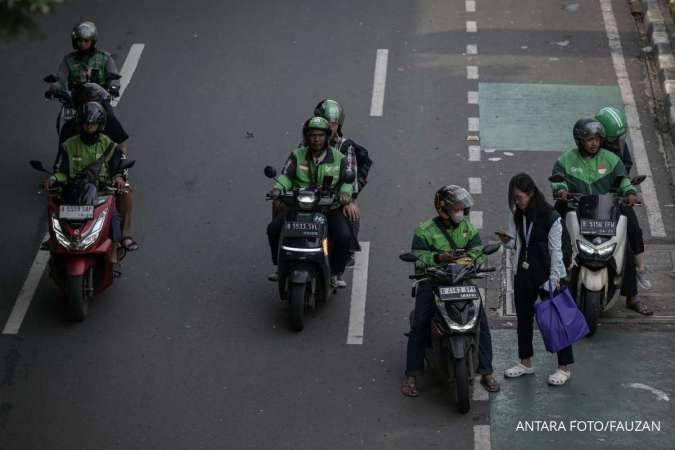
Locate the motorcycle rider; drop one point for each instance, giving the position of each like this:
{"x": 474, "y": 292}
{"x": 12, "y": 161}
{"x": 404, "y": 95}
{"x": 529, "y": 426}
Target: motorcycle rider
{"x": 80, "y": 71}
{"x": 333, "y": 112}
{"x": 436, "y": 242}
{"x": 87, "y": 147}
{"x": 307, "y": 166}
{"x": 593, "y": 170}
{"x": 614, "y": 122}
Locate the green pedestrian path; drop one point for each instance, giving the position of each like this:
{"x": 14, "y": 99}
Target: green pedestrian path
{"x": 621, "y": 380}
{"x": 531, "y": 117}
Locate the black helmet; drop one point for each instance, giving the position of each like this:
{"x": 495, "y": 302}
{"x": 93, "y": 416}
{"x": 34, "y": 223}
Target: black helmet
{"x": 92, "y": 112}
{"x": 587, "y": 128}
{"x": 84, "y": 30}
{"x": 449, "y": 195}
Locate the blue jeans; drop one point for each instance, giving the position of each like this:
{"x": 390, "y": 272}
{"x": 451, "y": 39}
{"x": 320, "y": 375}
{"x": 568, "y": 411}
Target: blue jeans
{"x": 420, "y": 334}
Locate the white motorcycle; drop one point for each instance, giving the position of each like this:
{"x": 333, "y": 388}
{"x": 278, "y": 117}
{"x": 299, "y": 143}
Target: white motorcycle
{"x": 598, "y": 232}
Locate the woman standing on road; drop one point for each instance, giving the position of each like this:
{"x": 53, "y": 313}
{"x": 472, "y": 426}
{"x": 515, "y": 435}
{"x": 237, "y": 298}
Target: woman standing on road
{"x": 534, "y": 233}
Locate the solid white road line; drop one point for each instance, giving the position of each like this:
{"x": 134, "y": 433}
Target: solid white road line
{"x": 476, "y": 219}
{"x": 470, "y": 6}
{"x": 474, "y": 125}
{"x": 471, "y": 26}
{"x": 475, "y": 186}
{"x": 379, "y": 82}
{"x": 472, "y": 72}
{"x": 474, "y": 152}
{"x": 481, "y": 437}
{"x": 129, "y": 68}
{"x": 472, "y": 97}
{"x": 649, "y": 197}
{"x": 472, "y": 49}
{"x": 41, "y": 260}
{"x": 27, "y": 291}
{"x": 357, "y": 310}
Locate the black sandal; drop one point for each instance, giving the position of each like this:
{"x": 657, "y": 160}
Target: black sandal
{"x": 129, "y": 244}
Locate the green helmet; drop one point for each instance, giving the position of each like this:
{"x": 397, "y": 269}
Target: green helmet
{"x": 316, "y": 123}
{"x": 330, "y": 110}
{"x": 613, "y": 120}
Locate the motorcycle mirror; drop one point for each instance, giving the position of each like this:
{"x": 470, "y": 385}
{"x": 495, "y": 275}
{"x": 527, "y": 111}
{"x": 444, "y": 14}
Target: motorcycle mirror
{"x": 126, "y": 164}
{"x": 50, "y": 78}
{"x": 348, "y": 177}
{"x": 408, "y": 257}
{"x": 638, "y": 180}
{"x": 491, "y": 248}
{"x": 270, "y": 172}
{"x": 114, "y": 76}
{"x": 37, "y": 165}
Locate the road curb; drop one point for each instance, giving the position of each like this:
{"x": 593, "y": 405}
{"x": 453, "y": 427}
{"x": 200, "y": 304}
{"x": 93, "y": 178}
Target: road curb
{"x": 657, "y": 31}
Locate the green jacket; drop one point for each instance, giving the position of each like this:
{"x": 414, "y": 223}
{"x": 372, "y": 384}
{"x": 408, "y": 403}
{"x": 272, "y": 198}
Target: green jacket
{"x": 429, "y": 241}
{"x": 591, "y": 175}
{"x": 77, "y": 156}
{"x": 77, "y": 69}
{"x": 300, "y": 171}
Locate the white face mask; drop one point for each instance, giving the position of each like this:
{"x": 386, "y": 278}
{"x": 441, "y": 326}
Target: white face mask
{"x": 457, "y": 217}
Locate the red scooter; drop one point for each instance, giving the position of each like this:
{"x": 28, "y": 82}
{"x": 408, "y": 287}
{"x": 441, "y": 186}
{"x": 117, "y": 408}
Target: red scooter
{"x": 79, "y": 242}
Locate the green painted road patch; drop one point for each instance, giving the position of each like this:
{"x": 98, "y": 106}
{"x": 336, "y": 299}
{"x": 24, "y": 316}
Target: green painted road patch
{"x": 614, "y": 398}
{"x": 537, "y": 116}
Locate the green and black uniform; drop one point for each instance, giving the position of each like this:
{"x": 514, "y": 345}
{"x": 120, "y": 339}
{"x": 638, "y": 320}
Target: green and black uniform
{"x": 429, "y": 241}
{"x": 597, "y": 175}
{"x": 93, "y": 66}
{"x": 301, "y": 171}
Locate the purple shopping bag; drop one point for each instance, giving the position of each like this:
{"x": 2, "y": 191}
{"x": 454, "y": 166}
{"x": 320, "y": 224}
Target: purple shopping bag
{"x": 560, "y": 321}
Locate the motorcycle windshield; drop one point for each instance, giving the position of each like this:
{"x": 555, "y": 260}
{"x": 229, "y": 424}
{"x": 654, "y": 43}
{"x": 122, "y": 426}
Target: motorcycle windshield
{"x": 597, "y": 207}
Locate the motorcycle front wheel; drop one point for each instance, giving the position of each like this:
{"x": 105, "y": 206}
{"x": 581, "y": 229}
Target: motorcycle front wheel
{"x": 462, "y": 384}
{"x": 76, "y": 298}
{"x": 591, "y": 304}
{"x": 296, "y": 305}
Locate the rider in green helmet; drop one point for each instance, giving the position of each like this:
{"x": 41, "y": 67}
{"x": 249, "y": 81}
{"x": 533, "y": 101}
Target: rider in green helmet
{"x": 333, "y": 112}
{"x": 307, "y": 166}
{"x": 615, "y": 124}
{"x": 614, "y": 121}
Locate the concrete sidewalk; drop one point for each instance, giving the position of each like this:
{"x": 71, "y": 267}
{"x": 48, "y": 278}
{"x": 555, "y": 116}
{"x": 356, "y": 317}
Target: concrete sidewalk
{"x": 621, "y": 381}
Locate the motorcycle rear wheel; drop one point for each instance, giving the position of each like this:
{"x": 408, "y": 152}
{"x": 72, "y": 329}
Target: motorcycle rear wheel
{"x": 76, "y": 298}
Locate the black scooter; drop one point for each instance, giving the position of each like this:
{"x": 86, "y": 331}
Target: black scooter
{"x": 455, "y": 327}
{"x": 304, "y": 267}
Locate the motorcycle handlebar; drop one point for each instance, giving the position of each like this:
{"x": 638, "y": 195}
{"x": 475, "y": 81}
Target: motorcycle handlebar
{"x": 487, "y": 269}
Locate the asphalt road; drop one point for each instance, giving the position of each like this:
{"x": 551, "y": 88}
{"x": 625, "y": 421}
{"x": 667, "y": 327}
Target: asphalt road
{"x": 191, "y": 349}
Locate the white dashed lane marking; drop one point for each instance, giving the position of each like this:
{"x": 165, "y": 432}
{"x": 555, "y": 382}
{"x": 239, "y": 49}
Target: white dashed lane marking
{"x": 379, "y": 82}
{"x": 472, "y": 72}
{"x": 472, "y": 49}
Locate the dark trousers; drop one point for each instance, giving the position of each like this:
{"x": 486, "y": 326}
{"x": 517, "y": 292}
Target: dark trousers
{"x": 525, "y": 296}
{"x": 635, "y": 246}
{"x": 339, "y": 238}
{"x": 420, "y": 335}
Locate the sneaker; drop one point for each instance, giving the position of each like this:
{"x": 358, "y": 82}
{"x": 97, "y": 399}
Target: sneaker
{"x": 351, "y": 261}
{"x": 642, "y": 279}
{"x": 341, "y": 283}
{"x": 274, "y": 276}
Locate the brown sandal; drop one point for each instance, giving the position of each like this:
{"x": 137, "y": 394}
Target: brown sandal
{"x": 409, "y": 390}
{"x": 490, "y": 383}
{"x": 639, "y": 307}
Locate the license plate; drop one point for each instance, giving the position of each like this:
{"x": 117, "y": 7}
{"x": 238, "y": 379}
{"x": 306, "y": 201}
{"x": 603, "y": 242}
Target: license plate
{"x": 468, "y": 292}
{"x": 76, "y": 212}
{"x": 597, "y": 227}
{"x": 304, "y": 229}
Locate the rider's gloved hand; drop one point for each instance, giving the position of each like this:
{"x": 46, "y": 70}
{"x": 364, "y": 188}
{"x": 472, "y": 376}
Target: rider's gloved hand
{"x": 274, "y": 193}
{"x": 631, "y": 199}
{"x": 562, "y": 195}
{"x": 345, "y": 198}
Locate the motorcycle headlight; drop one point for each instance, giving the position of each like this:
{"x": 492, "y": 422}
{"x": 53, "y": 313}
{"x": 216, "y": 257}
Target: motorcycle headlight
{"x": 306, "y": 199}
{"x": 60, "y": 235}
{"x": 584, "y": 247}
{"x": 92, "y": 235}
{"x": 606, "y": 250}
